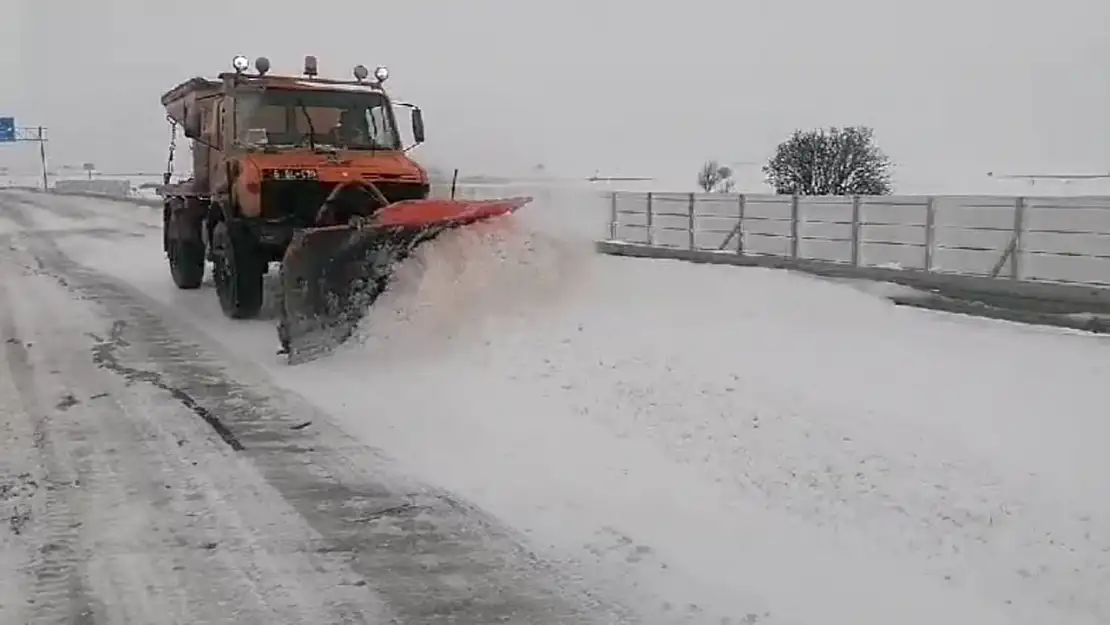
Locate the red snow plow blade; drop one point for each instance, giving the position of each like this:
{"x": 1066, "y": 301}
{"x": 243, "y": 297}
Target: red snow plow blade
{"x": 330, "y": 275}
{"x": 449, "y": 213}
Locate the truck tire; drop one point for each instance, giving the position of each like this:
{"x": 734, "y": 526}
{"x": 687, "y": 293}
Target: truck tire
{"x": 186, "y": 257}
{"x": 237, "y": 271}
{"x": 186, "y": 263}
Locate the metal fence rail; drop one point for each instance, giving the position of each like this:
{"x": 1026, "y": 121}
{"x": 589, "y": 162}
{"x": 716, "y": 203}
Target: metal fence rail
{"x": 1063, "y": 240}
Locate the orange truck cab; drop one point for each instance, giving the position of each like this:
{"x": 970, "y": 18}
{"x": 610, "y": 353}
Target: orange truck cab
{"x": 268, "y": 153}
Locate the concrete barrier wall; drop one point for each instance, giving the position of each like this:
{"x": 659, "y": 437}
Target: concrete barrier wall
{"x": 1045, "y": 239}
{"x": 1073, "y": 297}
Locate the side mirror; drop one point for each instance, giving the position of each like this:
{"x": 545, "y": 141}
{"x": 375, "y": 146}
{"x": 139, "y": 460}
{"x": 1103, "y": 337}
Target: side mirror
{"x": 191, "y": 125}
{"x": 418, "y": 125}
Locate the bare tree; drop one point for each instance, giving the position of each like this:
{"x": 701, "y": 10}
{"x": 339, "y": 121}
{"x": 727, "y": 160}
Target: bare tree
{"x": 715, "y": 177}
{"x": 836, "y": 161}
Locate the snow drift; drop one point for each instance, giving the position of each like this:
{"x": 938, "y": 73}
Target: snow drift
{"x": 465, "y": 281}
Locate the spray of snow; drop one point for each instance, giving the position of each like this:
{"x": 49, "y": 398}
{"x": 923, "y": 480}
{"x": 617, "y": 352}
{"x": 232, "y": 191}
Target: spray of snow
{"x": 457, "y": 285}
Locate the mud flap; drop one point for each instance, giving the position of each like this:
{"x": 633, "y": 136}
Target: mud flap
{"x": 331, "y": 275}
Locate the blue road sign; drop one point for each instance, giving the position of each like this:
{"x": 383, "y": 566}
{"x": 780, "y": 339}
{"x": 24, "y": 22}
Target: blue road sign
{"x": 7, "y": 129}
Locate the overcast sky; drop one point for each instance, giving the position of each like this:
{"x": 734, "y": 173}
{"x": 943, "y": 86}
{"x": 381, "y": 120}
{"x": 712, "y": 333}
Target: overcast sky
{"x": 625, "y": 86}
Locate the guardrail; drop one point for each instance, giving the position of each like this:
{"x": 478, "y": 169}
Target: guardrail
{"x": 1060, "y": 240}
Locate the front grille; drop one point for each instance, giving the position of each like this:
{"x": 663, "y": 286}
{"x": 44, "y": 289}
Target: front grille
{"x": 298, "y": 200}
{"x": 294, "y": 200}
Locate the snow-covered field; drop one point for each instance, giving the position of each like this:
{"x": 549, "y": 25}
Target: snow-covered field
{"x": 699, "y": 444}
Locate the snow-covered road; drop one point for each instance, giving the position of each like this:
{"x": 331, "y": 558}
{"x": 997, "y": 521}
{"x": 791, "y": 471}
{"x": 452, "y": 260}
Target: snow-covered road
{"x": 696, "y": 444}
{"x": 146, "y": 479}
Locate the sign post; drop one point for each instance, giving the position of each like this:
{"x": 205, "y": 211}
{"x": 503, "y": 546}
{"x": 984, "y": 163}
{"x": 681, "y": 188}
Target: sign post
{"x": 10, "y": 133}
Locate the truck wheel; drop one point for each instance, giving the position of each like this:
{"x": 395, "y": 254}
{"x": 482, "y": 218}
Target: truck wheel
{"x": 237, "y": 272}
{"x": 186, "y": 258}
{"x": 186, "y": 263}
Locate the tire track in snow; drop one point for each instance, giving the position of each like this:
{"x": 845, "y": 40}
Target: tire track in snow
{"x": 18, "y": 210}
{"x": 11, "y": 213}
{"x": 57, "y": 592}
{"x": 433, "y": 558}
{"x": 58, "y": 209}
{"x": 78, "y": 209}
{"x": 51, "y": 214}
{"x": 104, "y": 355}
{"x": 160, "y": 540}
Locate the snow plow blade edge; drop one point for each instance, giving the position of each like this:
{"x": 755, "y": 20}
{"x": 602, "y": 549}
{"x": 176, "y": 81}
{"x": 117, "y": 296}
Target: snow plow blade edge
{"x": 331, "y": 275}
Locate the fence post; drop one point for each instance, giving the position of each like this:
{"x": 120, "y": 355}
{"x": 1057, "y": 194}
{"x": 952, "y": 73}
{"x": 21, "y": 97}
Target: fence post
{"x": 794, "y": 227}
{"x": 613, "y": 216}
{"x": 855, "y": 230}
{"x": 1019, "y": 228}
{"x": 742, "y": 204}
{"x": 650, "y": 233}
{"x": 930, "y": 232}
{"x": 691, "y": 222}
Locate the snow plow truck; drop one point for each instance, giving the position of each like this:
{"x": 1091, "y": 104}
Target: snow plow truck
{"x": 309, "y": 172}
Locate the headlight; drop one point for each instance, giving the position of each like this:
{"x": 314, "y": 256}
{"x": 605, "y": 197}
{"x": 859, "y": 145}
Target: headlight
{"x": 240, "y": 63}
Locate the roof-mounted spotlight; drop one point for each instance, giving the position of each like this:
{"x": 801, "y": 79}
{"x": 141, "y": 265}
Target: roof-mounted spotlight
{"x": 240, "y": 63}
{"x": 381, "y": 74}
{"x": 361, "y": 73}
{"x": 310, "y": 69}
{"x": 262, "y": 65}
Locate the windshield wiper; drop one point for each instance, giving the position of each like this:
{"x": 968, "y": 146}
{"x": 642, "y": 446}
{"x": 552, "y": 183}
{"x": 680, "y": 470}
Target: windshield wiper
{"x": 311, "y": 130}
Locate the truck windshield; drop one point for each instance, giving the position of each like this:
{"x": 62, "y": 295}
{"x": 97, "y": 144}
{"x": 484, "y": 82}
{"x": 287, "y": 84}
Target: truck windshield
{"x": 354, "y": 120}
